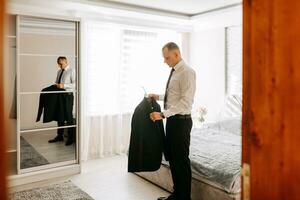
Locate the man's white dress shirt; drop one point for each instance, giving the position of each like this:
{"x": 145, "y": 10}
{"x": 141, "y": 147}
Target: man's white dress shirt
{"x": 68, "y": 78}
{"x": 181, "y": 90}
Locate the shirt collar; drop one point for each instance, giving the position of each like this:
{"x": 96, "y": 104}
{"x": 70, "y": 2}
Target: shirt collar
{"x": 178, "y": 65}
{"x": 67, "y": 67}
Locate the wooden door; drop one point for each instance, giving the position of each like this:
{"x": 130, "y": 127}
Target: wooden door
{"x": 271, "y": 101}
{"x": 3, "y": 192}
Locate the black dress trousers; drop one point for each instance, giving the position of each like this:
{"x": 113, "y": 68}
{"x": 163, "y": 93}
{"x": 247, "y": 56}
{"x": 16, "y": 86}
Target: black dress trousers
{"x": 177, "y": 145}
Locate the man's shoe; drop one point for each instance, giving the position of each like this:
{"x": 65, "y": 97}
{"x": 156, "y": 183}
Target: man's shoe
{"x": 69, "y": 142}
{"x": 56, "y": 139}
{"x": 171, "y": 197}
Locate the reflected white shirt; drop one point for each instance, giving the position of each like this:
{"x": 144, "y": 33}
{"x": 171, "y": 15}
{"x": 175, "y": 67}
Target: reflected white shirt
{"x": 181, "y": 90}
{"x": 68, "y": 78}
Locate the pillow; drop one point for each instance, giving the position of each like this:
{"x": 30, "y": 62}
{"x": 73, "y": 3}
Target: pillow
{"x": 233, "y": 106}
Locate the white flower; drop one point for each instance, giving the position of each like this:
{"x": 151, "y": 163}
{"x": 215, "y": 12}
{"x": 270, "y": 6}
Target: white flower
{"x": 201, "y": 113}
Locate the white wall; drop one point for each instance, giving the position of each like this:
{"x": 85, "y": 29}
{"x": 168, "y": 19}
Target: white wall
{"x": 231, "y": 16}
{"x": 207, "y": 55}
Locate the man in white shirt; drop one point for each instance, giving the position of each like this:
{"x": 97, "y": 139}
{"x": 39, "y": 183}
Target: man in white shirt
{"x": 66, "y": 80}
{"x": 178, "y": 100}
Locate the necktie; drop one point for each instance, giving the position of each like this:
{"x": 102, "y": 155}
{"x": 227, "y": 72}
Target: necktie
{"x": 166, "y": 92}
{"x": 59, "y": 79}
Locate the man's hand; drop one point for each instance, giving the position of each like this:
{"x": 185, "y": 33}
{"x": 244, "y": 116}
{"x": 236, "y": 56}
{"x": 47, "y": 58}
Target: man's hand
{"x": 155, "y": 116}
{"x": 154, "y": 96}
{"x": 60, "y": 85}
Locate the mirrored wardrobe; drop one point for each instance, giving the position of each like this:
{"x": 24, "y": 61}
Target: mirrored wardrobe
{"x": 44, "y": 92}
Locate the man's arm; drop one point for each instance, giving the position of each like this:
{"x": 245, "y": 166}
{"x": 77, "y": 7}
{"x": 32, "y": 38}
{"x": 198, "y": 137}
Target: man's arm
{"x": 72, "y": 84}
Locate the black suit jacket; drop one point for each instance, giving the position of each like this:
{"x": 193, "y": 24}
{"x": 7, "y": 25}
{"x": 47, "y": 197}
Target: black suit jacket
{"x": 56, "y": 106}
{"x": 147, "y": 139}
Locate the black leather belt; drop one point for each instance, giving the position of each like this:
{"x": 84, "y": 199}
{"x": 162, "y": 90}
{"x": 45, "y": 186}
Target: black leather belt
{"x": 178, "y": 116}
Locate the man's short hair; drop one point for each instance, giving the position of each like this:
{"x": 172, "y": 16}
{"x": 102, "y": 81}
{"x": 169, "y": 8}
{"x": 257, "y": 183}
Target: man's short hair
{"x": 171, "y": 46}
{"x": 61, "y": 58}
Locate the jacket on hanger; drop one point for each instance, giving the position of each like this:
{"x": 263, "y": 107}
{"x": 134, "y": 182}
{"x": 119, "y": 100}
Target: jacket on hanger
{"x": 147, "y": 139}
{"x": 55, "y": 106}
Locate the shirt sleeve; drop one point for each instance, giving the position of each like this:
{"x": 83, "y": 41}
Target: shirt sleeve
{"x": 72, "y": 83}
{"x": 187, "y": 90}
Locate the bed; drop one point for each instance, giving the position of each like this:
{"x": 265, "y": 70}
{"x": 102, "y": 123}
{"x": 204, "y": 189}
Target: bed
{"x": 215, "y": 154}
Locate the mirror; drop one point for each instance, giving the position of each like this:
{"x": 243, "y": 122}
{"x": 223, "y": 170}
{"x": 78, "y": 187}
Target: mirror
{"x": 36, "y": 151}
{"x": 47, "y": 91}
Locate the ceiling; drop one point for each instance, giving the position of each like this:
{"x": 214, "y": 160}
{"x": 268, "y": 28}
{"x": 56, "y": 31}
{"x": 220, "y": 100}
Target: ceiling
{"x": 184, "y": 7}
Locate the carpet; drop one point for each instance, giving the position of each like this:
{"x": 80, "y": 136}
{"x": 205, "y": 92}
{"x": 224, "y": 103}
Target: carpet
{"x": 61, "y": 191}
{"x": 30, "y": 157}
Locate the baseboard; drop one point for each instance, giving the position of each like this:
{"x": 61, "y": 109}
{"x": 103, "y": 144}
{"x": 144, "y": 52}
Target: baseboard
{"x": 32, "y": 177}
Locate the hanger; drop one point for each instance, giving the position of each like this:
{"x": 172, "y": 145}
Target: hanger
{"x": 150, "y": 100}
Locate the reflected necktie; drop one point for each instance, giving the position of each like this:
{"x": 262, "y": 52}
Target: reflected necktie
{"x": 59, "y": 79}
{"x": 166, "y": 92}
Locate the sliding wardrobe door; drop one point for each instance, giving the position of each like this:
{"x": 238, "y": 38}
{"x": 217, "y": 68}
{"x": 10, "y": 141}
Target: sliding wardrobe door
{"x": 9, "y": 84}
{"x": 47, "y": 95}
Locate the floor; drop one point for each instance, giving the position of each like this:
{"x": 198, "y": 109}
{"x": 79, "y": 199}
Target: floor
{"x": 108, "y": 178}
{"x": 54, "y": 152}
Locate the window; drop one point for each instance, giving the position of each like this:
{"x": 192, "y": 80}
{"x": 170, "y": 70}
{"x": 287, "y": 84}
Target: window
{"x": 121, "y": 61}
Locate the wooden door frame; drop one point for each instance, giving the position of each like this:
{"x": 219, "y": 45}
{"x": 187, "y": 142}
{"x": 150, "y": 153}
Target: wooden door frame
{"x": 3, "y": 158}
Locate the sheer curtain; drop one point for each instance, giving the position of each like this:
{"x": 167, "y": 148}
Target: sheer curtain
{"x": 118, "y": 63}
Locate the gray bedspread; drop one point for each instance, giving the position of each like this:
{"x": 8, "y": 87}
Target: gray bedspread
{"x": 215, "y": 155}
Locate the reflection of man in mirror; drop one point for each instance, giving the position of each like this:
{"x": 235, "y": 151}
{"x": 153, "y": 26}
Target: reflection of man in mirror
{"x": 65, "y": 80}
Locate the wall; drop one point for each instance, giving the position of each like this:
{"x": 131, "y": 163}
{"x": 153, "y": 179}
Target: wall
{"x": 206, "y": 54}
{"x": 207, "y": 57}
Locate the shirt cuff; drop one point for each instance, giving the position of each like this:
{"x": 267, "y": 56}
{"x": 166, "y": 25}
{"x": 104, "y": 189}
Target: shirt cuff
{"x": 161, "y": 97}
{"x": 69, "y": 86}
{"x": 167, "y": 113}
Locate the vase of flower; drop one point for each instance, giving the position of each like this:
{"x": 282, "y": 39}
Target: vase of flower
{"x": 201, "y": 113}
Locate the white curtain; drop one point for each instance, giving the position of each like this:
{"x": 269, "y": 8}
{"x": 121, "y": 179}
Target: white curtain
{"x": 117, "y": 63}
{"x": 106, "y": 135}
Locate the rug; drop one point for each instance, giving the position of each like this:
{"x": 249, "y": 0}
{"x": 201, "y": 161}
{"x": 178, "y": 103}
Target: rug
{"x": 30, "y": 157}
{"x": 61, "y": 191}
